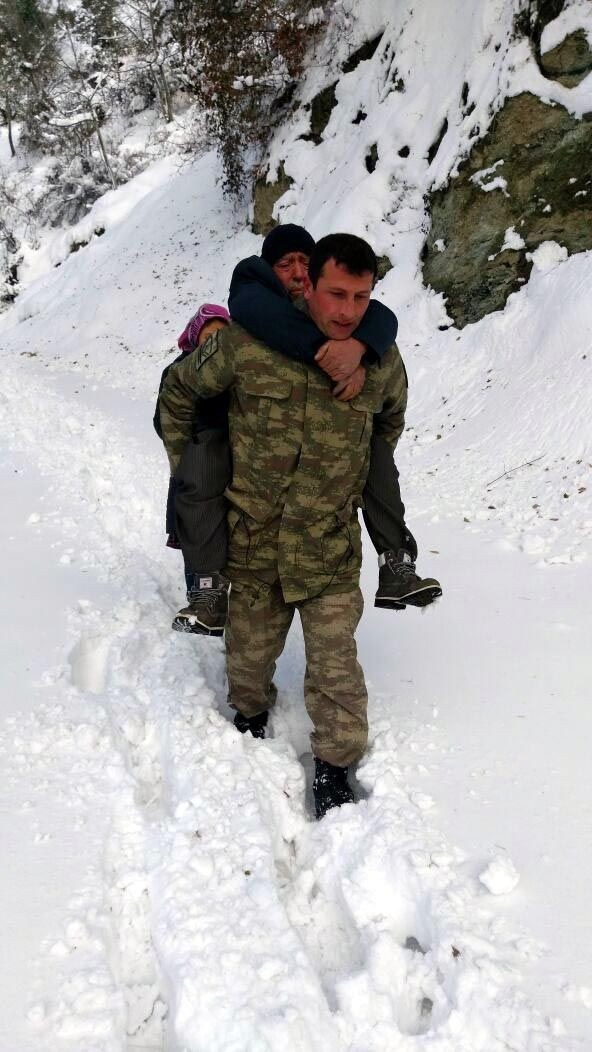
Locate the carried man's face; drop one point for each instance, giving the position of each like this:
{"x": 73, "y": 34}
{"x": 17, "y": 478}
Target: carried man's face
{"x": 340, "y": 299}
{"x": 209, "y": 328}
{"x": 292, "y": 270}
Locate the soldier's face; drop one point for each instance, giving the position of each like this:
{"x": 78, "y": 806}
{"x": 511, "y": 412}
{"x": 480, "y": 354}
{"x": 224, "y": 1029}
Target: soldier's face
{"x": 340, "y": 299}
{"x": 292, "y": 270}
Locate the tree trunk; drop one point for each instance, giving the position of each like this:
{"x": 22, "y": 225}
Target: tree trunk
{"x": 9, "y": 128}
{"x": 162, "y": 84}
{"x": 103, "y": 150}
{"x": 166, "y": 96}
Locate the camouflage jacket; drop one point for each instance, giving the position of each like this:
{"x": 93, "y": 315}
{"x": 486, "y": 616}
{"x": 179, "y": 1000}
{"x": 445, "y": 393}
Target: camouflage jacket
{"x": 300, "y": 457}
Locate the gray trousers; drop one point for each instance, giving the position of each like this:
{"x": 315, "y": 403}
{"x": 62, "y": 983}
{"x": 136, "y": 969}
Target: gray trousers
{"x": 200, "y": 507}
{"x": 384, "y": 511}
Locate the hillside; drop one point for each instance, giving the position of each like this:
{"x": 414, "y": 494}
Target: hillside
{"x": 165, "y": 886}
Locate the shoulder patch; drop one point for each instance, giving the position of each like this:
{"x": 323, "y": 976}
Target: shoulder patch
{"x": 207, "y": 349}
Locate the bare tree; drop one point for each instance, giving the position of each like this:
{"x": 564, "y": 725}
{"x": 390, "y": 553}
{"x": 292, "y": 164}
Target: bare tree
{"x": 242, "y": 59}
{"x": 146, "y": 24}
{"x": 27, "y": 58}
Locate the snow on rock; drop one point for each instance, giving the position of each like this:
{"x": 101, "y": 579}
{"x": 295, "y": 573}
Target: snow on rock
{"x": 513, "y": 240}
{"x": 547, "y": 256}
{"x": 575, "y": 15}
{"x": 499, "y": 183}
{"x": 500, "y": 876}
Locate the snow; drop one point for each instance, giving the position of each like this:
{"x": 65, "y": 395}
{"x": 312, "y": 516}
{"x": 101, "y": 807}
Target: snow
{"x": 500, "y": 876}
{"x": 110, "y": 209}
{"x": 5, "y": 145}
{"x": 165, "y": 886}
{"x": 513, "y": 241}
{"x": 72, "y": 121}
{"x": 574, "y": 16}
{"x": 547, "y": 256}
{"x": 497, "y": 183}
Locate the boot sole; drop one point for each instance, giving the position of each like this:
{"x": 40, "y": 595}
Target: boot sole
{"x": 389, "y": 604}
{"x": 195, "y": 628}
{"x": 421, "y": 598}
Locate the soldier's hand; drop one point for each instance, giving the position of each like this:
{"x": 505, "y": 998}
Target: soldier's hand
{"x": 340, "y": 358}
{"x": 350, "y": 387}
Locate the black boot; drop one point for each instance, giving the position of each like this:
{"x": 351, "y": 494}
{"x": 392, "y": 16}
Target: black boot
{"x": 207, "y": 608}
{"x": 399, "y": 585}
{"x": 330, "y": 787}
{"x": 255, "y": 724}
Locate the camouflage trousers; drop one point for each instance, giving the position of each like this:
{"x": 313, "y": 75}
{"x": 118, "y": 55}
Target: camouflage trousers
{"x": 334, "y": 689}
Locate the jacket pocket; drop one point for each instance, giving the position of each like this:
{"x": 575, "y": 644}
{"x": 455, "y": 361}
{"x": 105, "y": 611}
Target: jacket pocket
{"x": 363, "y": 407}
{"x": 264, "y": 399}
{"x": 337, "y": 548}
{"x": 243, "y": 536}
{"x": 361, "y": 420}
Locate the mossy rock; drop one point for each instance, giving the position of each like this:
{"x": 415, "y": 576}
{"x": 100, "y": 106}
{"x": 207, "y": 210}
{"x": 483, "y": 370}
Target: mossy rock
{"x": 384, "y": 265}
{"x": 570, "y": 61}
{"x": 542, "y": 153}
{"x": 265, "y": 197}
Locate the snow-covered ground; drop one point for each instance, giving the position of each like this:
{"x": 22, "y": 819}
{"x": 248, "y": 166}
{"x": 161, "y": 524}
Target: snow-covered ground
{"x": 164, "y": 885}
{"x": 160, "y": 863}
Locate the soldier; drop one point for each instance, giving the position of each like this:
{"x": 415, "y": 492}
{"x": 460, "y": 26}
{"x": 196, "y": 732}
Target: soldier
{"x": 261, "y": 292}
{"x": 300, "y": 460}
{"x": 256, "y": 301}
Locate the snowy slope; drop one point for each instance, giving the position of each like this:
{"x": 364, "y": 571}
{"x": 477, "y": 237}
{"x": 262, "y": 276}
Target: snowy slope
{"x": 430, "y": 66}
{"x": 166, "y": 887}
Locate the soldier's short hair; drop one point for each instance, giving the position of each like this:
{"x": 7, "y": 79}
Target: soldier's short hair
{"x": 348, "y": 251}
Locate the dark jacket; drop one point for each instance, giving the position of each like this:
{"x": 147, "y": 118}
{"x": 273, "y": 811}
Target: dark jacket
{"x": 258, "y": 301}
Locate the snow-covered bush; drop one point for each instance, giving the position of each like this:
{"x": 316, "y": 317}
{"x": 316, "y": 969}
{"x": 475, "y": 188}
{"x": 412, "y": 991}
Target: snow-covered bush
{"x": 71, "y": 187}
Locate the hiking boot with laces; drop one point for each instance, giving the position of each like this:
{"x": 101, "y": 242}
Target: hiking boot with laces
{"x": 399, "y": 585}
{"x": 255, "y": 724}
{"x": 330, "y": 787}
{"x": 207, "y": 607}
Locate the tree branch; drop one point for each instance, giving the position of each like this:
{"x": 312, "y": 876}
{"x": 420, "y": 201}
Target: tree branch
{"x": 526, "y": 464}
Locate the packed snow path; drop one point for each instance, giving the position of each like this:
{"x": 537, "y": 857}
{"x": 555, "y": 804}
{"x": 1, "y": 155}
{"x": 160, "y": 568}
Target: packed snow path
{"x": 214, "y": 910}
{"x": 167, "y": 880}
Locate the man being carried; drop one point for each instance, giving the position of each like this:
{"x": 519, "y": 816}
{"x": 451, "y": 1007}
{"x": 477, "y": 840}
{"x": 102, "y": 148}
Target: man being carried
{"x": 300, "y": 460}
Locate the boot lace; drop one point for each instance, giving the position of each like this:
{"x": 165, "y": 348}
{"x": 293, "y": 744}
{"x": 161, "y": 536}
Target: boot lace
{"x": 205, "y": 598}
{"x": 398, "y": 567}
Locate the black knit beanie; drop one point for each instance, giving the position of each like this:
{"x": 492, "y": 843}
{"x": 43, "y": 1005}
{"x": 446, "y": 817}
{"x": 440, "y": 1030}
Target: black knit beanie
{"x": 284, "y": 239}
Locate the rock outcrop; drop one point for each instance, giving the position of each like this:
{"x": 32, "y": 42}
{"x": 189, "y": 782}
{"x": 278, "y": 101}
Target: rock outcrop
{"x": 527, "y": 181}
{"x": 265, "y": 196}
{"x": 570, "y": 61}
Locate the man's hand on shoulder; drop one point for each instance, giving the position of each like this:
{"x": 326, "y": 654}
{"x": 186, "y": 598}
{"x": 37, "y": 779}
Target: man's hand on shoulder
{"x": 340, "y": 358}
{"x": 347, "y": 389}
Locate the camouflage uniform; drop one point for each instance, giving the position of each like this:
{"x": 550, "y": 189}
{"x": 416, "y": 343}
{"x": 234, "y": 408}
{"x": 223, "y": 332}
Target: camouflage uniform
{"x": 300, "y": 461}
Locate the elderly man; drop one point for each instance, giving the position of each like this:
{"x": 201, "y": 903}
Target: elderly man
{"x": 300, "y": 460}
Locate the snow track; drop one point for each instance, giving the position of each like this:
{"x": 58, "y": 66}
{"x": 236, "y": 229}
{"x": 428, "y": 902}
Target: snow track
{"x": 181, "y": 897}
{"x": 215, "y": 916}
